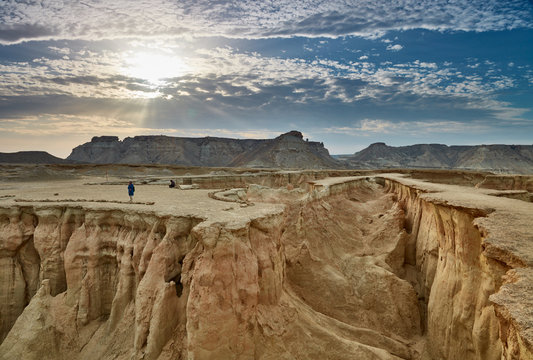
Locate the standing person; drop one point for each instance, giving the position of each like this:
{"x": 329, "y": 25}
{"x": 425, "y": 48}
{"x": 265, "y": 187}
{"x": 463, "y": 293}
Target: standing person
{"x": 131, "y": 190}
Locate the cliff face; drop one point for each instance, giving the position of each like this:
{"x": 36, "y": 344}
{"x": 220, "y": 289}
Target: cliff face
{"x": 91, "y": 266}
{"x": 454, "y": 278}
{"x": 286, "y": 151}
{"x": 126, "y": 285}
{"x": 501, "y": 158}
{"x": 377, "y": 267}
{"x": 464, "y": 252}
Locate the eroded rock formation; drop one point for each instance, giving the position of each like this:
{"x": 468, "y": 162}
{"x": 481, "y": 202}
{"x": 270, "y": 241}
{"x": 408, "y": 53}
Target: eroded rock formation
{"x": 378, "y": 267}
{"x": 288, "y": 150}
{"x": 516, "y": 159}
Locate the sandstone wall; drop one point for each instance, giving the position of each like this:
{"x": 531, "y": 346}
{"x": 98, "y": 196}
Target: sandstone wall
{"x": 508, "y": 182}
{"x": 457, "y": 273}
{"x": 103, "y": 274}
{"x": 273, "y": 180}
{"x": 118, "y": 284}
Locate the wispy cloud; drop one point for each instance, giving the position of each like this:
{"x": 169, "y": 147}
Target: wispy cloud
{"x": 58, "y": 124}
{"x": 21, "y": 21}
{"x": 253, "y": 81}
{"x": 371, "y": 127}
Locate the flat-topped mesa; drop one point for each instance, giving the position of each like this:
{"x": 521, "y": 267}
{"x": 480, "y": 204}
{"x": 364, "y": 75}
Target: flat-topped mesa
{"x": 97, "y": 139}
{"x": 288, "y": 150}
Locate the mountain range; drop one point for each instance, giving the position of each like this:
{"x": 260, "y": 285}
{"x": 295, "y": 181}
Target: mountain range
{"x": 495, "y": 158}
{"x": 288, "y": 150}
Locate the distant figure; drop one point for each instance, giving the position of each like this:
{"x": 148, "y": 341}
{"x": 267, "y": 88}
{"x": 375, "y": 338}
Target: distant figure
{"x": 131, "y": 190}
{"x": 172, "y": 184}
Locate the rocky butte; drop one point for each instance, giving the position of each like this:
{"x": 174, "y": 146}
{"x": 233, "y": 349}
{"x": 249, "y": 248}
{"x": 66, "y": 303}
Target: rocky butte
{"x": 288, "y": 150}
{"x": 265, "y": 265}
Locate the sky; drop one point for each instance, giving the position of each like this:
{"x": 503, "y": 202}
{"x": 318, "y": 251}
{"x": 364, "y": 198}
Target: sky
{"x": 347, "y": 73}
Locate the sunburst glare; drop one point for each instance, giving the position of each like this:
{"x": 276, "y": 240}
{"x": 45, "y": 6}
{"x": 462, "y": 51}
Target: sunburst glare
{"x": 153, "y": 67}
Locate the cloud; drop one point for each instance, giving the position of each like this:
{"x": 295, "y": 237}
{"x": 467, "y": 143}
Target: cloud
{"x": 80, "y": 91}
{"x": 214, "y": 86}
{"x": 12, "y": 33}
{"x": 92, "y": 20}
{"x": 396, "y": 47}
{"x": 370, "y": 127}
{"x": 75, "y": 125}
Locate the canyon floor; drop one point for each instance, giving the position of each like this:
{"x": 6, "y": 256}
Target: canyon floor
{"x": 264, "y": 264}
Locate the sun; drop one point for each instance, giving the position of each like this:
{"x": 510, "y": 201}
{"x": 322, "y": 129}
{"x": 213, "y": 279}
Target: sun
{"x": 153, "y": 67}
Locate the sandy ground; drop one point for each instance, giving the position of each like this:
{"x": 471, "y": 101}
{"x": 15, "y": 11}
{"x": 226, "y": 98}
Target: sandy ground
{"x": 162, "y": 199}
{"x": 150, "y": 198}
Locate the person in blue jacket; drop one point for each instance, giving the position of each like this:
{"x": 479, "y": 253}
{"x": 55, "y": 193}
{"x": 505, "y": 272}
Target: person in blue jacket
{"x": 131, "y": 190}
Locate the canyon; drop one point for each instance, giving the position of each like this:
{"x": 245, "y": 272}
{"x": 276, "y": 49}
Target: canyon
{"x": 250, "y": 264}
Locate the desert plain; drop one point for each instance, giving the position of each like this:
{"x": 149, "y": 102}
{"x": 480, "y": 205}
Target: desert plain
{"x": 264, "y": 264}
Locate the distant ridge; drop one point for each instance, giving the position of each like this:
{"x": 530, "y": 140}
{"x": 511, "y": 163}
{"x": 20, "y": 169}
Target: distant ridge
{"x": 30, "y": 157}
{"x": 288, "y": 150}
{"x": 496, "y": 158}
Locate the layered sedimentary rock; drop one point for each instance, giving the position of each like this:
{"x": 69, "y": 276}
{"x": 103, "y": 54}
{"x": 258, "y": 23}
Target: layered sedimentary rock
{"x": 516, "y": 159}
{"x": 509, "y": 182}
{"x": 378, "y": 267}
{"x": 453, "y": 279}
{"x": 288, "y": 150}
{"x": 89, "y": 264}
{"x": 464, "y": 250}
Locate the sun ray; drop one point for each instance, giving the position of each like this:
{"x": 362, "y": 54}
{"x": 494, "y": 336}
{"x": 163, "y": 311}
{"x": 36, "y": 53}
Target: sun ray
{"x": 153, "y": 67}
